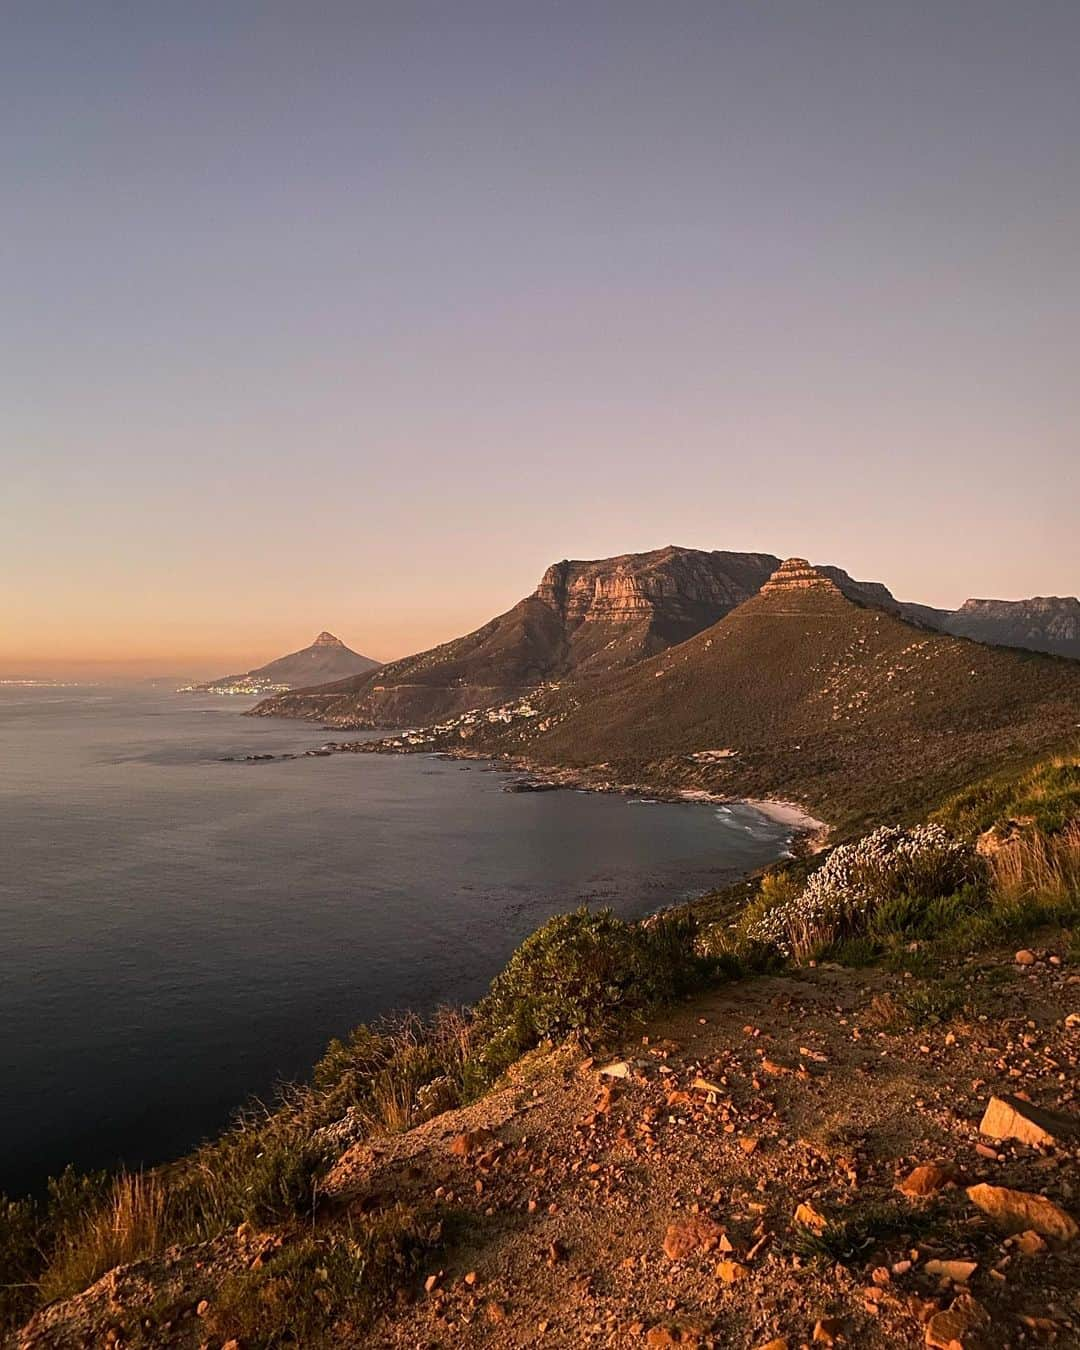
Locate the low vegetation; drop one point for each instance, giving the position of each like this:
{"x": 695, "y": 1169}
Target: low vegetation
{"x": 996, "y": 862}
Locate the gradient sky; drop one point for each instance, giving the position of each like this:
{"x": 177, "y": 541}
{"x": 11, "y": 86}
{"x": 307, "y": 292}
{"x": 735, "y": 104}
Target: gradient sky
{"x": 356, "y": 315}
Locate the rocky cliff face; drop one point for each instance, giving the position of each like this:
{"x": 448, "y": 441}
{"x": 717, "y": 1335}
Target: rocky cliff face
{"x": 796, "y": 574}
{"x": 671, "y": 582}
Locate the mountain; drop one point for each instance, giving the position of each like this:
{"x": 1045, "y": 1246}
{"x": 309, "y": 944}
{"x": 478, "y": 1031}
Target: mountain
{"x": 802, "y": 691}
{"x": 1045, "y": 623}
{"x": 584, "y": 619}
{"x": 326, "y": 659}
{"x": 1049, "y": 623}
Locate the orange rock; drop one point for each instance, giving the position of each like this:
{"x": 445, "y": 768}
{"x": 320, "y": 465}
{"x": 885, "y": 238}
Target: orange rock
{"x": 1029, "y": 1243}
{"x": 945, "y": 1331}
{"x": 496, "y": 1312}
{"x": 698, "y": 1233}
{"x": 957, "y": 1271}
{"x": 730, "y": 1271}
{"x": 827, "y": 1330}
{"x": 468, "y": 1142}
{"x": 748, "y": 1143}
{"x": 808, "y": 1217}
{"x": 1009, "y": 1117}
{"x": 1017, "y": 1211}
{"x": 928, "y": 1179}
{"x": 664, "y": 1335}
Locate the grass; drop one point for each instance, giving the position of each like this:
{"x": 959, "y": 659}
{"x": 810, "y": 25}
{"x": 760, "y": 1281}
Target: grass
{"x": 1047, "y": 795}
{"x": 849, "y": 1242}
{"x": 132, "y": 1223}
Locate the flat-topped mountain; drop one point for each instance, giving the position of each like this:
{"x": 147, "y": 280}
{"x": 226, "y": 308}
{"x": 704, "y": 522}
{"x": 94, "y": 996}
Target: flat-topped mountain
{"x": 802, "y": 690}
{"x": 583, "y": 619}
{"x": 326, "y": 659}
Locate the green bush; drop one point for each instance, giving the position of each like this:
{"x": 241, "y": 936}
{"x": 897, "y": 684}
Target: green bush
{"x": 586, "y": 974}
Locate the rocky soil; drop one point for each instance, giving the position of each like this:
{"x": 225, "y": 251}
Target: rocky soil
{"x": 788, "y": 1161}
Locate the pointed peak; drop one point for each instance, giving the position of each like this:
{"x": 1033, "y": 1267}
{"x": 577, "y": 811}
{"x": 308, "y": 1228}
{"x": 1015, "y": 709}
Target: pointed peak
{"x": 327, "y": 640}
{"x": 796, "y": 574}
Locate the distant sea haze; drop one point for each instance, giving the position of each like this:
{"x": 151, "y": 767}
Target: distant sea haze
{"x": 183, "y": 932}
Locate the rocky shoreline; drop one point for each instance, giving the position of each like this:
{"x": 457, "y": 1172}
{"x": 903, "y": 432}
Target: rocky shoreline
{"x": 809, "y": 834}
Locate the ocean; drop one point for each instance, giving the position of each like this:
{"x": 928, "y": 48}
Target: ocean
{"x": 182, "y": 933}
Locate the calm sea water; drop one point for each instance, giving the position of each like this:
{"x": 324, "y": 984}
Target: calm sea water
{"x": 179, "y": 933}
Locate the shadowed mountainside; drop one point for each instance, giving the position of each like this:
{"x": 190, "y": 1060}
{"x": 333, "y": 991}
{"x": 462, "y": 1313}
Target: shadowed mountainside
{"x": 1045, "y": 623}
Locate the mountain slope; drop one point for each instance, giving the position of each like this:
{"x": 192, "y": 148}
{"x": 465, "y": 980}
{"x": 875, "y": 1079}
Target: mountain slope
{"x": 584, "y": 619}
{"x": 326, "y": 659}
{"x": 1042, "y": 624}
{"x": 1045, "y": 623}
{"x": 802, "y": 691}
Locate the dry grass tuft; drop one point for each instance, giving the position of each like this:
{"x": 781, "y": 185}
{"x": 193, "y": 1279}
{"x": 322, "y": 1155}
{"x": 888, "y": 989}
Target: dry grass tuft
{"x": 129, "y": 1226}
{"x": 1035, "y": 865}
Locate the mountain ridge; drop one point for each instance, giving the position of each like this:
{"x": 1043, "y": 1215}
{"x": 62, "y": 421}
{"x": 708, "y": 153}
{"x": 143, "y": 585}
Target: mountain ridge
{"x": 1040, "y": 623}
{"x": 802, "y": 691}
{"x": 585, "y": 619}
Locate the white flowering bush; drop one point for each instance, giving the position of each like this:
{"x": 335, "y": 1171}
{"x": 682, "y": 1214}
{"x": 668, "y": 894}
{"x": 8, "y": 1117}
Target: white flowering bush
{"x": 842, "y": 897}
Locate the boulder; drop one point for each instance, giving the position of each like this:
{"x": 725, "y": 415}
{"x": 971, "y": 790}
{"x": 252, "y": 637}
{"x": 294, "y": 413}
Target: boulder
{"x": 1019, "y": 1211}
{"x": 928, "y": 1178}
{"x": 1009, "y": 1117}
{"x": 698, "y": 1233}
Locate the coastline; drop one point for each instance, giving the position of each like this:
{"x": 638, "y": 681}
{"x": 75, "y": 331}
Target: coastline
{"x": 809, "y": 831}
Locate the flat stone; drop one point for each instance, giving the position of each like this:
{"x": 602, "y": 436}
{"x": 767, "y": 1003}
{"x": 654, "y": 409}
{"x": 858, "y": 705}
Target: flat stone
{"x": 1018, "y": 1211}
{"x": 728, "y": 1272}
{"x": 1009, "y": 1117}
{"x": 806, "y": 1216}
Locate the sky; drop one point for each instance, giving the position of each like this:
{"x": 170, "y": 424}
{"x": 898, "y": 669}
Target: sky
{"x": 357, "y": 315}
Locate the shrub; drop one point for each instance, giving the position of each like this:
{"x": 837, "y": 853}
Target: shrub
{"x": 841, "y": 899}
{"x": 586, "y": 974}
